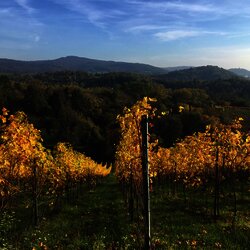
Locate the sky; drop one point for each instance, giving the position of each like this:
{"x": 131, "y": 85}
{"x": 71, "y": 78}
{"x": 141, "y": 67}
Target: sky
{"x": 156, "y": 32}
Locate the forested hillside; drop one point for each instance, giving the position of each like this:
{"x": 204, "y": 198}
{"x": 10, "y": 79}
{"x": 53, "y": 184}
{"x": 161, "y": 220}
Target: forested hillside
{"x": 81, "y": 108}
{"x": 205, "y": 73}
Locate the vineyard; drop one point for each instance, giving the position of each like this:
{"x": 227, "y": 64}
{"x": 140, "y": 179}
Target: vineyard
{"x": 30, "y": 170}
{"x": 206, "y": 173}
{"x": 215, "y": 162}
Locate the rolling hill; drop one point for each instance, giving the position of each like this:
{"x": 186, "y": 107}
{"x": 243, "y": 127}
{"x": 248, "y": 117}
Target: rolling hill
{"x": 240, "y": 72}
{"x": 74, "y": 63}
{"x": 203, "y": 73}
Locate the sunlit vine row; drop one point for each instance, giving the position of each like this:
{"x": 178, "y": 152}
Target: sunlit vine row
{"x": 76, "y": 167}
{"x": 129, "y": 151}
{"x": 221, "y": 154}
{"x": 194, "y": 158}
{"x": 23, "y": 157}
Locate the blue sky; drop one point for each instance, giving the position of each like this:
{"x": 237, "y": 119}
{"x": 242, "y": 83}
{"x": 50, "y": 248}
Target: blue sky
{"x": 157, "y": 32}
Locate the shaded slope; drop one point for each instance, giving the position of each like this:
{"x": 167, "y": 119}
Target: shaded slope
{"x": 203, "y": 73}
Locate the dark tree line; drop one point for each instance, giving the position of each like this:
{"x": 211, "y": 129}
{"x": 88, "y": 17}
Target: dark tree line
{"x": 81, "y": 108}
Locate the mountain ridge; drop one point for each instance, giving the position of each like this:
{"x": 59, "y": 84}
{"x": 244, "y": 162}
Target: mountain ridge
{"x": 76, "y": 63}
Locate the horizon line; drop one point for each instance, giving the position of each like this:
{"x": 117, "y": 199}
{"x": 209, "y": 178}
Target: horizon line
{"x": 118, "y": 61}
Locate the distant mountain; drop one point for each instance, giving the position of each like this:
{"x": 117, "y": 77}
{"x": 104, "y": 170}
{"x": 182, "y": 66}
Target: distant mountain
{"x": 177, "y": 68}
{"x": 240, "y": 72}
{"x": 75, "y": 63}
{"x": 203, "y": 73}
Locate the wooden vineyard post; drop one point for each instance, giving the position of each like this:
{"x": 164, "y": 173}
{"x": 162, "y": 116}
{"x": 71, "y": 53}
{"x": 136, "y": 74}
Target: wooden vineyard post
{"x": 35, "y": 194}
{"x": 146, "y": 187}
{"x": 216, "y": 186}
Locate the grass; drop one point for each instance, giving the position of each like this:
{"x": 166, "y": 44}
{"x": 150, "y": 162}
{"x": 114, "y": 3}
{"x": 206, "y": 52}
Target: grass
{"x": 178, "y": 226}
{"x": 99, "y": 220}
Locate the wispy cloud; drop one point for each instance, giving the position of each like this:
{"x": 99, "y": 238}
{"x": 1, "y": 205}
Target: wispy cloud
{"x": 167, "y": 20}
{"x": 242, "y": 34}
{"x": 174, "y": 6}
{"x": 176, "y": 34}
{"x": 179, "y": 34}
{"x": 5, "y": 11}
{"x": 93, "y": 12}
{"x": 194, "y": 7}
{"x": 19, "y": 29}
{"x": 25, "y": 5}
{"x": 145, "y": 27}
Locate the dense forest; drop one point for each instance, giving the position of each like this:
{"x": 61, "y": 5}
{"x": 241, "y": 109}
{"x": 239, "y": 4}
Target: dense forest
{"x": 81, "y": 108}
